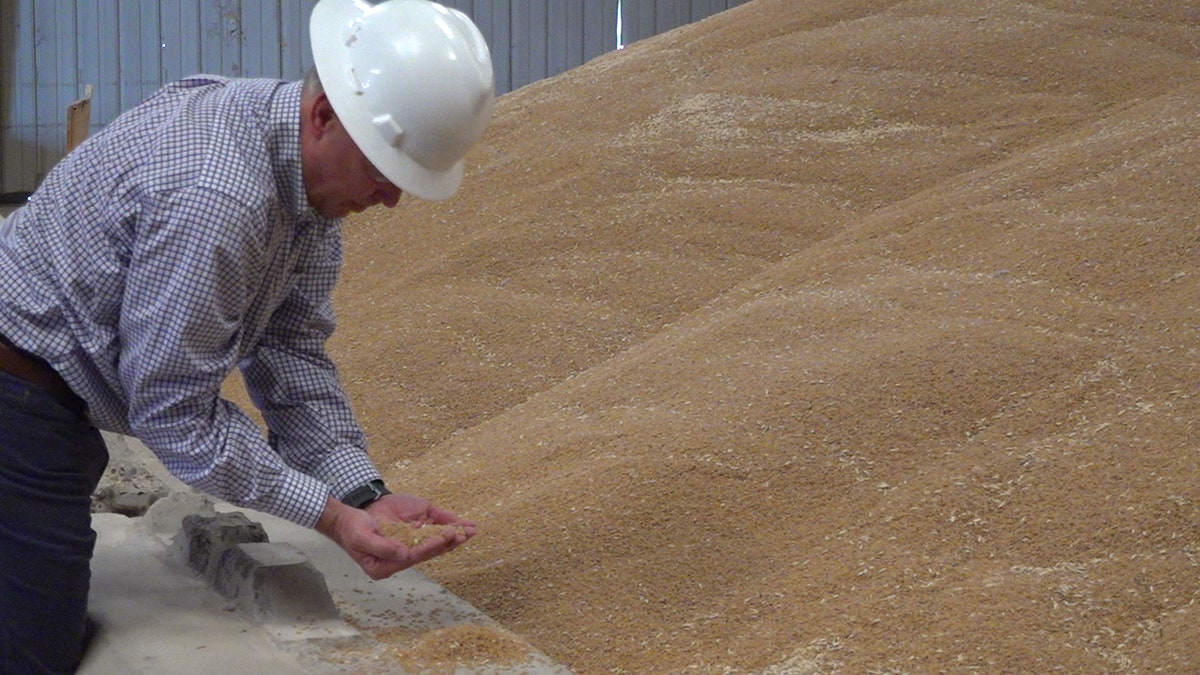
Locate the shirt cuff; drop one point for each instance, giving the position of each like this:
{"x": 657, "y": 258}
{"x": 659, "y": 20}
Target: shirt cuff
{"x": 346, "y": 469}
{"x": 301, "y": 499}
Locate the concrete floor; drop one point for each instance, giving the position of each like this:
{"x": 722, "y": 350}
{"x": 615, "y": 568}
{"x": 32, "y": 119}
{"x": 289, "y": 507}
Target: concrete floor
{"x": 156, "y": 616}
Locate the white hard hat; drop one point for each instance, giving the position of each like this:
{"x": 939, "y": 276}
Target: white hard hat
{"x": 412, "y": 83}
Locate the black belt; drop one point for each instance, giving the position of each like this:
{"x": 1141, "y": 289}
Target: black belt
{"x": 26, "y": 366}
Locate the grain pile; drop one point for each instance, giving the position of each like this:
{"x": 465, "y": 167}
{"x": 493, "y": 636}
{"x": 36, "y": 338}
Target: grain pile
{"x": 820, "y": 336}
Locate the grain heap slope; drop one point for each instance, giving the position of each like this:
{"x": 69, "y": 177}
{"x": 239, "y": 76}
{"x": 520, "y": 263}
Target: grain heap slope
{"x": 816, "y": 335}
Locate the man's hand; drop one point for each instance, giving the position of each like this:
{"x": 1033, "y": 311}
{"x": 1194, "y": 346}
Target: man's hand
{"x": 357, "y": 532}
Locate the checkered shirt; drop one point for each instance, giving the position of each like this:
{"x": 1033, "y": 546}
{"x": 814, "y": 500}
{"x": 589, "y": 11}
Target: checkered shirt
{"x": 170, "y": 248}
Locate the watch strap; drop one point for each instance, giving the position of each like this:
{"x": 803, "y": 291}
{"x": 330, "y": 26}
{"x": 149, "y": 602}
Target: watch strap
{"x": 366, "y": 493}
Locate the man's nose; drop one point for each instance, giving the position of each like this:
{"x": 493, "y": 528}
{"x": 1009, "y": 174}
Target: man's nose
{"x": 388, "y": 195}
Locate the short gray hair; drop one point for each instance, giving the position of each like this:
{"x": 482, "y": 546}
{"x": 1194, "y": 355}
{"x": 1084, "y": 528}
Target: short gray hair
{"x": 312, "y": 83}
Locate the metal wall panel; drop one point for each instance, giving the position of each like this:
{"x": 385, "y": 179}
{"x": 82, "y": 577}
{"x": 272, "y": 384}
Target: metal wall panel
{"x": 125, "y": 49}
{"x": 534, "y": 39}
{"x": 646, "y": 18}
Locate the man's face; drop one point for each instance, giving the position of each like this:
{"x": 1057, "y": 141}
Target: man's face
{"x": 338, "y": 178}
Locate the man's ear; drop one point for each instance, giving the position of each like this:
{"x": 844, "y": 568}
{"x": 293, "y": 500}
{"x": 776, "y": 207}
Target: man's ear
{"x": 321, "y": 116}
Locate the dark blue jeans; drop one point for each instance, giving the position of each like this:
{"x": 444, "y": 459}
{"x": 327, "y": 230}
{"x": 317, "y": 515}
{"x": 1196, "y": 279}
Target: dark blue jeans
{"x": 51, "y": 459}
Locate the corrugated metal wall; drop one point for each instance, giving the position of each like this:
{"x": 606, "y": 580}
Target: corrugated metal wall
{"x": 125, "y": 49}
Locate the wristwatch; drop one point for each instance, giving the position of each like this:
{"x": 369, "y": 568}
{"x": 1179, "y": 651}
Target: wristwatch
{"x": 366, "y": 493}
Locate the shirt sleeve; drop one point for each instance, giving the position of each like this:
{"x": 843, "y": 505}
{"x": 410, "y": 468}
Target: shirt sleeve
{"x": 295, "y": 384}
{"x": 197, "y": 261}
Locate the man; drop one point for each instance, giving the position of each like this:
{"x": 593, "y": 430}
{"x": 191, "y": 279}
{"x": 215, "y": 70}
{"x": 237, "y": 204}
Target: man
{"x": 197, "y": 233}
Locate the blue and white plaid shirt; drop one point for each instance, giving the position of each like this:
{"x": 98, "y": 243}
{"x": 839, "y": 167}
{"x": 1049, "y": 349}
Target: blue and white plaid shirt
{"x": 170, "y": 248}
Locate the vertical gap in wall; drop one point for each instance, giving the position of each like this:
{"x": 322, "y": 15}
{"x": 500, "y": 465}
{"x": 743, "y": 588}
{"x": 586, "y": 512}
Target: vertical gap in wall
{"x": 620, "y": 41}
